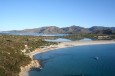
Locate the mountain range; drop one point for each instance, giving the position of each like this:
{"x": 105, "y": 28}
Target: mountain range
{"x": 65, "y": 30}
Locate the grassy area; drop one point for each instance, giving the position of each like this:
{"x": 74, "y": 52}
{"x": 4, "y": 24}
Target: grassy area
{"x": 11, "y": 57}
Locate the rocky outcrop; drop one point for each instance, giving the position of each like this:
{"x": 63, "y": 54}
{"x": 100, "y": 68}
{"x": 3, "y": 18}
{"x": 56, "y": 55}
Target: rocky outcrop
{"x": 25, "y": 69}
{"x": 33, "y": 64}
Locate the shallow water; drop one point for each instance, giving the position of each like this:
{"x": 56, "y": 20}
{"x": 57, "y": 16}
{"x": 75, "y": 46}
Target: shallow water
{"x": 78, "y": 61}
{"x": 66, "y": 40}
{"x": 58, "y": 40}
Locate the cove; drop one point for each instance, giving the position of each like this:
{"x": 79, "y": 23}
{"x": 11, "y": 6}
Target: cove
{"x": 77, "y": 61}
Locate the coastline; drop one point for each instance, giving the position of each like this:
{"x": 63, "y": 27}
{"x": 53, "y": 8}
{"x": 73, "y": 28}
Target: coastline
{"x": 35, "y": 63}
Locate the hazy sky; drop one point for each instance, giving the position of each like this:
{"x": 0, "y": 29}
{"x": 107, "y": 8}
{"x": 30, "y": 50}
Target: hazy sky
{"x": 25, "y": 14}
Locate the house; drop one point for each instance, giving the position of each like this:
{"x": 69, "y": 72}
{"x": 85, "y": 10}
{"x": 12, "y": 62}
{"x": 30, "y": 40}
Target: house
{"x": 103, "y": 37}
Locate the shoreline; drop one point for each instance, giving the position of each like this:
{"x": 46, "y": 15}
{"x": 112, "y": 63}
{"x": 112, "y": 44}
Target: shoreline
{"x": 35, "y": 63}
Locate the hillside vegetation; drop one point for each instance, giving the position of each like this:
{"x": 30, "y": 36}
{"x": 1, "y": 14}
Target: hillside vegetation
{"x": 11, "y": 57}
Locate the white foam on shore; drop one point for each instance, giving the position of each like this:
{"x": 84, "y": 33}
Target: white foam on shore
{"x": 24, "y": 70}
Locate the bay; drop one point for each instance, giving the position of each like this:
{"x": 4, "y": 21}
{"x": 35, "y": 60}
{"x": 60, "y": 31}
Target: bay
{"x": 78, "y": 61}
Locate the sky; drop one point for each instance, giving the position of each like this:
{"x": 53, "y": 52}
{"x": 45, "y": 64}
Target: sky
{"x": 27, "y": 14}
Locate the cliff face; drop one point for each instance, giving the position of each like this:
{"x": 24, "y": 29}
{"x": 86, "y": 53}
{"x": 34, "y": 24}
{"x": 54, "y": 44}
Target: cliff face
{"x": 25, "y": 69}
{"x": 34, "y": 63}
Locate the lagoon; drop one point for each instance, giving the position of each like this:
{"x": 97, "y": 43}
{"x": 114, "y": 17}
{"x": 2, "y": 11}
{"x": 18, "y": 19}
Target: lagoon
{"x": 58, "y": 40}
{"x": 78, "y": 61}
{"x": 67, "y": 40}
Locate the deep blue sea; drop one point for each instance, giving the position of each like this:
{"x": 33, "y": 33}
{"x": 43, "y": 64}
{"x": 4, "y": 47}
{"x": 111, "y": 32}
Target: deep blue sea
{"x": 78, "y": 61}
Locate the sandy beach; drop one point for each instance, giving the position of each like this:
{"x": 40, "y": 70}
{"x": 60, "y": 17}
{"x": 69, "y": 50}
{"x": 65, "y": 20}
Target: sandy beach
{"x": 34, "y": 63}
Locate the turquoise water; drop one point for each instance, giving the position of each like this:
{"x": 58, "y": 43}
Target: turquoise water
{"x": 78, "y": 61}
